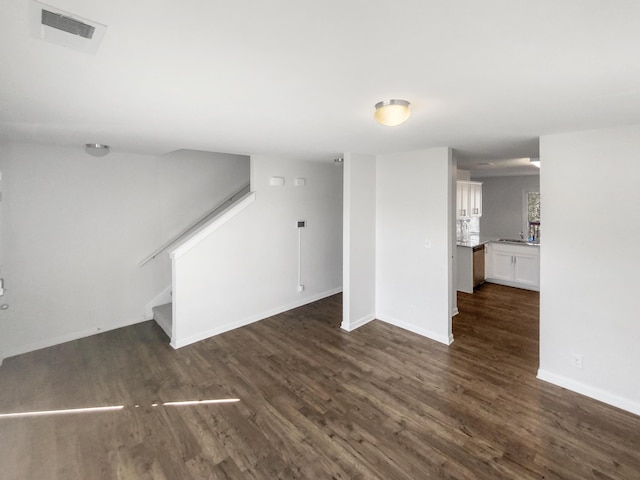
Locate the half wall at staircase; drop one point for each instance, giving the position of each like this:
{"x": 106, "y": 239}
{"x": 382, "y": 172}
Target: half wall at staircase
{"x": 252, "y": 266}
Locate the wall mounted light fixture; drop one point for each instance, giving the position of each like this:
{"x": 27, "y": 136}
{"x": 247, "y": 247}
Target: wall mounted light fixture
{"x": 392, "y": 112}
{"x": 96, "y": 149}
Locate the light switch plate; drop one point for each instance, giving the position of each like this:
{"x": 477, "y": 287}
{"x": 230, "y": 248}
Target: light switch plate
{"x": 276, "y": 181}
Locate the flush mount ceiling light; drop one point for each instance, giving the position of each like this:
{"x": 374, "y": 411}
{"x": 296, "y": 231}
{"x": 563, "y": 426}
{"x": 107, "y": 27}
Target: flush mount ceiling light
{"x": 96, "y": 149}
{"x": 392, "y": 113}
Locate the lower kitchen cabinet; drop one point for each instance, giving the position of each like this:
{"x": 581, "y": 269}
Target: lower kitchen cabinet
{"x": 514, "y": 265}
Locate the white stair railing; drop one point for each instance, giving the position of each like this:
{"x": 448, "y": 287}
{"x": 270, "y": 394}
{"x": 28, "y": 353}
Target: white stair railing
{"x": 198, "y": 223}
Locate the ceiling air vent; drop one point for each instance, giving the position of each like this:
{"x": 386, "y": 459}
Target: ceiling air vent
{"x": 66, "y": 29}
{"x": 67, "y": 24}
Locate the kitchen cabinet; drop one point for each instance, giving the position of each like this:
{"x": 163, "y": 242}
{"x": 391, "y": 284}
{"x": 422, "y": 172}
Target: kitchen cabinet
{"x": 514, "y": 265}
{"x": 468, "y": 199}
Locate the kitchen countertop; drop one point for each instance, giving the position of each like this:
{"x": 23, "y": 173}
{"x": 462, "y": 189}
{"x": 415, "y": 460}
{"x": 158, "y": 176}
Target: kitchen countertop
{"x": 473, "y": 241}
{"x": 476, "y": 240}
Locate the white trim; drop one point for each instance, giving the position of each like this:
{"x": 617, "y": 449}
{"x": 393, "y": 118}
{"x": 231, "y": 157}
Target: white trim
{"x": 351, "y": 326}
{"x": 174, "y": 327}
{"x": 162, "y": 298}
{"x": 231, "y": 212}
{"x": 589, "y": 391}
{"x": 50, "y": 342}
{"x": 179, "y": 343}
{"x": 446, "y": 339}
{"x": 507, "y": 283}
{"x": 455, "y": 312}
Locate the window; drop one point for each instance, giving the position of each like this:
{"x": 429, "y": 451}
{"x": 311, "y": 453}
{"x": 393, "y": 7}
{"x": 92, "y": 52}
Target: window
{"x": 533, "y": 207}
{"x": 532, "y": 215}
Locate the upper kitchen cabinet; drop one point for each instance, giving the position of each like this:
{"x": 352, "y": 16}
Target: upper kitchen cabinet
{"x": 469, "y": 199}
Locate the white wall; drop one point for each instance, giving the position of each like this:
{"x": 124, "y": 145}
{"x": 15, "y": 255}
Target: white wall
{"x": 502, "y": 205}
{"x": 74, "y": 228}
{"x": 359, "y": 295}
{"x": 248, "y": 269}
{"x": 414, "y": 241}
{"x": 589, "y": 263}
{"x": 463, "y": 175}
{"x": 190, "y": 183}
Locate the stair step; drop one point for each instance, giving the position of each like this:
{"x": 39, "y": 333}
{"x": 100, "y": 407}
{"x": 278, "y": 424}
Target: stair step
{"x": 163, "y": 315}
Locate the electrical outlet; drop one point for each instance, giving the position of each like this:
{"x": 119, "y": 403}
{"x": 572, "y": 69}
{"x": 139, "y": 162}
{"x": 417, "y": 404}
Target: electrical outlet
{"x": 576, "y": 360}
{"x": 300, "y": 288}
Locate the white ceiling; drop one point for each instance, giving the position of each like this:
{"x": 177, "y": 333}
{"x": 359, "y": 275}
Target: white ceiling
{"x": 300, "y": 78}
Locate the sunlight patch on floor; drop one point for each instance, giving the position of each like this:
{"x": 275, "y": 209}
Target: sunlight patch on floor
{"x": 62, "y": 412}
{"x": 112, "y": 408}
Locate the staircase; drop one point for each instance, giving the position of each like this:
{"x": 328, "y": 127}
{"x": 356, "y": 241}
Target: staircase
{"x": 163, "y": 315}
{"x": 191, "y": 236}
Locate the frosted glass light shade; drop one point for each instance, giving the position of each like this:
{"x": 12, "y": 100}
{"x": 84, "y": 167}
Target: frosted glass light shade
{"x": 392, "y": 112}
{"x": 96, "y": 149}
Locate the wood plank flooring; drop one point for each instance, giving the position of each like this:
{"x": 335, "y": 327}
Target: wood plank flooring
{"x": 315, "y": 402}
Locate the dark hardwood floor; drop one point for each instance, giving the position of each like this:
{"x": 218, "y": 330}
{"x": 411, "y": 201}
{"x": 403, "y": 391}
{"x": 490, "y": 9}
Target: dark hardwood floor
{"x": 315, "y": 402}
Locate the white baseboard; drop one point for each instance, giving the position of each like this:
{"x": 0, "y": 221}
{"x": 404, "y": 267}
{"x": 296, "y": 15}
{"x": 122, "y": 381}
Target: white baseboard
{"x": 506, "y": 283}
{"x": 589, "y": 391}
{"x": 163, "y": 297}
{"x": 358, "y": 323}
{"x": 447, "y": 340}
{"x": 179, "y": 343}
